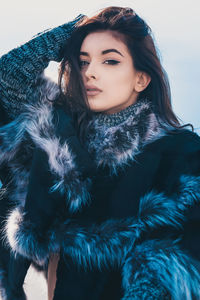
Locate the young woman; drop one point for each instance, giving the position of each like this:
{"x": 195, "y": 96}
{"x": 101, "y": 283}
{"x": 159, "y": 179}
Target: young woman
{"x": 97, "y": 170}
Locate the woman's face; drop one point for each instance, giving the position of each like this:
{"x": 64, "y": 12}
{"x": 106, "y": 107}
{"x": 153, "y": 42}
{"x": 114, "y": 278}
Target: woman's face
{"x": 106, "y": 64}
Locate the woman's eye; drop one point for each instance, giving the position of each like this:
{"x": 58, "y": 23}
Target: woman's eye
{"x": 82, "y": 63}
{"x": 112, "y": 62}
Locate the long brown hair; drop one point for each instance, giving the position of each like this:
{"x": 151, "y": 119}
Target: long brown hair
{"x": 138, "y": 38}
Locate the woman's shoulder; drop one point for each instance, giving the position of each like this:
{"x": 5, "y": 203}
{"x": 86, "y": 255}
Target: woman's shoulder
{"x": 177, "y": 141}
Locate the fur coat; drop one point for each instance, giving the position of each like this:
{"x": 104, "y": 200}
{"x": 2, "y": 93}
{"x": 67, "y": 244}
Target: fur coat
{"x": 137, "y": 220}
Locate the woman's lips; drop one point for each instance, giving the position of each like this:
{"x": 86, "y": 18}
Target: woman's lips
{"x": 93, "y": 92}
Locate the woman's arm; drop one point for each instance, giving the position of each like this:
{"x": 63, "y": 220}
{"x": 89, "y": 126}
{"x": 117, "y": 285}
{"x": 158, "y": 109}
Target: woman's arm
{"x": 92, "y": 245}
{"x": 107, "y": 244}
{"x": 21, "y": 69}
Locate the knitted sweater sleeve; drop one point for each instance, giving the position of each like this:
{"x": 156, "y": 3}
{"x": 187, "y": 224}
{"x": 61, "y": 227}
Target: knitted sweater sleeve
{"x": 21, "y": 69}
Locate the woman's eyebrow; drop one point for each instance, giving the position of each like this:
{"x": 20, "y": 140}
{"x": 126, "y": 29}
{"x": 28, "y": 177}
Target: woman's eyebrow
{"x": 103, "y": 52}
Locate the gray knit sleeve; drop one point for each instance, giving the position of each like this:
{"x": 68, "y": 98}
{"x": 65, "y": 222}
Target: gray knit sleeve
{"x": 21, "y": 69}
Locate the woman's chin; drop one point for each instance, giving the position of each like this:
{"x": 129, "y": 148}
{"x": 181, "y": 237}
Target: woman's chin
{"x": 95, "y": 108}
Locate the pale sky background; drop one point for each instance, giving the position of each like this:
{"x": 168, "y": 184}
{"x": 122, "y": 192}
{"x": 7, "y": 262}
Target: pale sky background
{"x": 175, "y": 24}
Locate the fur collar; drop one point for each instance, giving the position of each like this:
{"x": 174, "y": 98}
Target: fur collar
{"x": 115, "y": 146}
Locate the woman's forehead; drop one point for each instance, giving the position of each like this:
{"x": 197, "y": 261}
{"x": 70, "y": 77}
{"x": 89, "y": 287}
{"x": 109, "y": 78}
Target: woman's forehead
{"x": 101, "y": 41}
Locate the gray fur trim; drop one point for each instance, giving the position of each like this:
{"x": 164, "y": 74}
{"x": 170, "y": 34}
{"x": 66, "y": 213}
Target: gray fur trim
{"x": 61, "y": 160}
{"x": 108, "y": 243}
{"x": 24, "y": 239}
{"x": 116, "y": 146}
{"x": 162, "y": 263}
{"x": 12, "y": 135}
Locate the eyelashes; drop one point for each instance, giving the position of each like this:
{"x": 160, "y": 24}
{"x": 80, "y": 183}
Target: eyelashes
{"x": 111, "y": 62}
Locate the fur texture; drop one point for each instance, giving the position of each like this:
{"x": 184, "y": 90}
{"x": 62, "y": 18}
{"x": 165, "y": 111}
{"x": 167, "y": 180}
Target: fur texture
{"x": 61, "y": 159}
{"x": 113, "y": 242}
{"x": 38, "y": 129}
{"x": 108, "y": 243}
{"x": 116, "y": 146}
{"x": 166, "y": 263}
{"x": 112, "y": 239}
{"x": 22, "y": 237}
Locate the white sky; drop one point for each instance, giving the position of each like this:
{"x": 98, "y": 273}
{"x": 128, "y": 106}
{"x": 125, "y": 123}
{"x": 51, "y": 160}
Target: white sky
{"x": 175, "y": 25}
